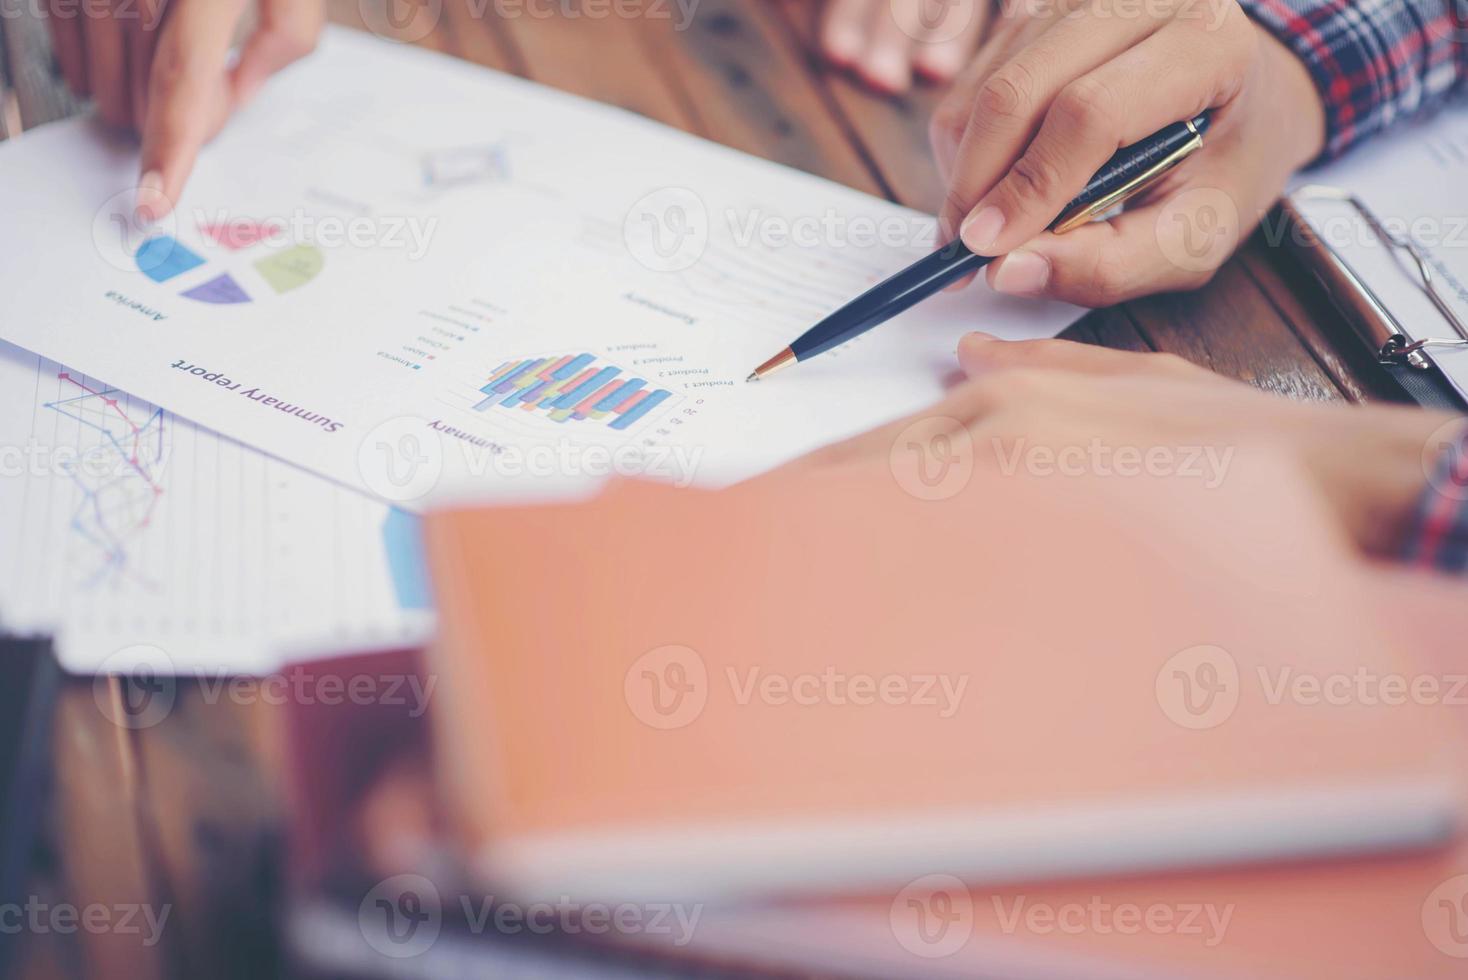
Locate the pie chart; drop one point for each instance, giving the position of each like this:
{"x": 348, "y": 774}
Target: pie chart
{"x": 245, "y": 261}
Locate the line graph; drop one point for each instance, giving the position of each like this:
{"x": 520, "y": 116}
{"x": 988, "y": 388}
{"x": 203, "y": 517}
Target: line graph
{"x": 138, "y": 524}
{"x": 118, "y": 478}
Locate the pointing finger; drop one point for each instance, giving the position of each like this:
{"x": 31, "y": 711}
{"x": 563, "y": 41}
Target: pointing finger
{"x": 189, "y": 97}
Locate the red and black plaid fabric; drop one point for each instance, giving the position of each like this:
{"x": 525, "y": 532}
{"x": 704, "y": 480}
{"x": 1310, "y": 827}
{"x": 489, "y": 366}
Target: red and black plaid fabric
{"x": 1439, "y": 537}
{"x": 1374, "y": 61}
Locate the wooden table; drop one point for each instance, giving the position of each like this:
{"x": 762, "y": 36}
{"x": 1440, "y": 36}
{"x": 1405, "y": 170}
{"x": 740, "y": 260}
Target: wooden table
{"x": 187, "y": 814}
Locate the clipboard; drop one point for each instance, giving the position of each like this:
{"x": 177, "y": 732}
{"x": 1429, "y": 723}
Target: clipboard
{"x": 1404, "y": 353}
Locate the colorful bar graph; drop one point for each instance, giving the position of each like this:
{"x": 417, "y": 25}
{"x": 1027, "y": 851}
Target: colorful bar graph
{"x": 570, "y": 388}
{"x": 638, "y": 410}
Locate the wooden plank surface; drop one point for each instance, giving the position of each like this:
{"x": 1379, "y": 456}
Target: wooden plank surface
{"x": 102, "y": 831}
{"x": 186, "y": 813}
{"x": 748, "y": 89}
{"x": 211, "y": 818}
{"x": 40, "y": 97}
{"x": 1316, "y": 322}
{"x": 1229, "y": 326}
{"x": 600, "y": 57}
{"x": 889, "y": 131}
{"x": 10, "y": 124}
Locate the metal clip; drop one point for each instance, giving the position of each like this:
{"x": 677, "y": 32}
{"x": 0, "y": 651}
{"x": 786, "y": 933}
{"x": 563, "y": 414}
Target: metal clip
{"x": 1398, "y": 347}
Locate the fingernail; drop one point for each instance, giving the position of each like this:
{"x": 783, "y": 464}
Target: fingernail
{"x": 980, "y": 229}
{"x": 1022, "y": 274}
{"x": 889, "y": 70}
{"x": 843, "y": 44}
{"x": 149, "y": 204}
{"x": 971, "y": 350}
{"x": 941, "y": 62}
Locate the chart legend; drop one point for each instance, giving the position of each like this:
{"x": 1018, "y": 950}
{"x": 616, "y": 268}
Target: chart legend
{"x": 571, "y": 388}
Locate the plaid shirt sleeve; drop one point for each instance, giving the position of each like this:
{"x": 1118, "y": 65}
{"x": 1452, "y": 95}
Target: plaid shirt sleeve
{"x": 1439, "y": 534}
{"x": 1374, "y": 61}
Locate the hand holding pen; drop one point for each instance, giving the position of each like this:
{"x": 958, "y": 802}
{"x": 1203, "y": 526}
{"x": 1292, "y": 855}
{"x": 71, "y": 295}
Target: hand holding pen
{"x": 1062, "y": 119}
{"x": 1051, "y": 96}
{"x": 1130, "y": 172}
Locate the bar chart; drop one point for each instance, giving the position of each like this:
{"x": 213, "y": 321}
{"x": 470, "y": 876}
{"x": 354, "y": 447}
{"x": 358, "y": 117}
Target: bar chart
{"x": 571, "y": 388}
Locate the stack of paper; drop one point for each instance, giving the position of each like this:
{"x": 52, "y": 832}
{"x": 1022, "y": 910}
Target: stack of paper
{"x": 419, "y": 279}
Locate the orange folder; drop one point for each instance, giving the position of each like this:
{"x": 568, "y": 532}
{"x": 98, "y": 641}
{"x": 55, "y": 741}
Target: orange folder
{"x": 819, "y": 683}
{"x": 1363, "y": 918}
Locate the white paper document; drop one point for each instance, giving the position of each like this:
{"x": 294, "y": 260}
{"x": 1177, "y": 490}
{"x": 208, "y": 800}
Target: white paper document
{"x": 141, "y": 541}
{"x": 424, "y": 279}
{"x": 1414, "y": 179}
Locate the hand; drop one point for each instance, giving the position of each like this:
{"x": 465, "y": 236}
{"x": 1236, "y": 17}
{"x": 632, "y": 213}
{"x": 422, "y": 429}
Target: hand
{"x": 886, "y": 41}
{"x": 1052, "y": 95}
{"x": 160, "y": 68}
{"x": 1069, "y": 397}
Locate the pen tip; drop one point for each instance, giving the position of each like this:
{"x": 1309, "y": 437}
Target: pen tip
{"x": 783, "y": 359}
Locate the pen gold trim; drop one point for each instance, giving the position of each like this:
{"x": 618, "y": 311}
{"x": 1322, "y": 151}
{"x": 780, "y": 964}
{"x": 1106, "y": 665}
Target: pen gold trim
{"x": 1070, "y": 220}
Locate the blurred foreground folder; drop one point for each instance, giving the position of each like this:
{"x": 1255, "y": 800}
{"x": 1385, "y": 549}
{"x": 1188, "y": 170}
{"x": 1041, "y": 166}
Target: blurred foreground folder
{"x": 1359, "y": 918}
{"x": 817, "y": 682}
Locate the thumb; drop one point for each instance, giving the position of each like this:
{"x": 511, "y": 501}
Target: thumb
{"x": 1176, "y": 241}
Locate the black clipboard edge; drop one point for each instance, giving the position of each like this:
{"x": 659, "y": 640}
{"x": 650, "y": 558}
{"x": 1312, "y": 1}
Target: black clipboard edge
{"x": 1364, "y": 312}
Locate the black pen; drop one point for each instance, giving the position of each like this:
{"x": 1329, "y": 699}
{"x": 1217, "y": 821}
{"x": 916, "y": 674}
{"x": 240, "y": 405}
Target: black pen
{"x": 1130, "y": 170}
